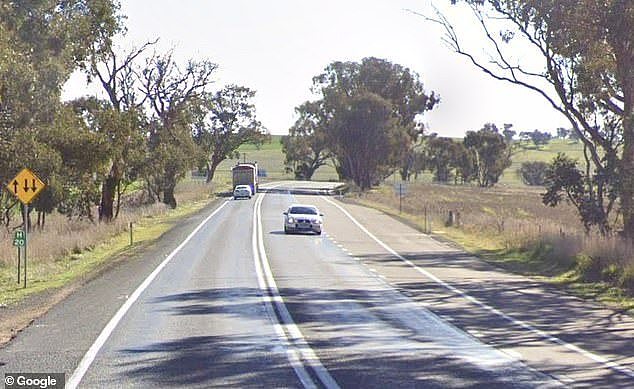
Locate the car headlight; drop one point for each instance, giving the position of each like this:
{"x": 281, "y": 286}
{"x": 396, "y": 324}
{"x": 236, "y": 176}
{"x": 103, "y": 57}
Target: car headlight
{"x": 317, "y": 221}
{"x": 291, "y": 220}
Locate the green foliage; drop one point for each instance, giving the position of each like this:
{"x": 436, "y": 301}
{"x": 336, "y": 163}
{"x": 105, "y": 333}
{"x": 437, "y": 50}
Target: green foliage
{"x": 490, "y": 154}
{"x": 565, "y": 181}
{"x": 365, "y": 133}
{"x": 367, "y": 117}
{"x": 538, "y": 138}
{"x": 443, "y": 156}
{"x": 306, "y": 146}
{"x": 173, "y": 95}
{"x": 586, "y": 74}
{"x": 533, "y": 173}
{"x": 226, "y": 121}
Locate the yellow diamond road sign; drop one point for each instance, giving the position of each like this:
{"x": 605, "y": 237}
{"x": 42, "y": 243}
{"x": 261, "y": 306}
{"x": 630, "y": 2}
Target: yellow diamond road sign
{"x": 25, "y": 186}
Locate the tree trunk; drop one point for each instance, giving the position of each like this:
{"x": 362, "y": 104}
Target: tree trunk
{"x": 627, "y": 176}
{"x": 108, "y": 190}
{"x": 108, "y": 194}
{"x": 168, "y": 196}
{"x": 211, "y": 170}
{"x": 168, "y": 190}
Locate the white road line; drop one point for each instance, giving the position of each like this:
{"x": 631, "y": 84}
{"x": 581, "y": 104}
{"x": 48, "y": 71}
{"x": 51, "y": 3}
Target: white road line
{"x": 595, "y": 357}
{"x": 512, "y": 353}
{"x": 288, "y": 330}
{"x": 90, "y": 355}
{"x": 291, "y": 353}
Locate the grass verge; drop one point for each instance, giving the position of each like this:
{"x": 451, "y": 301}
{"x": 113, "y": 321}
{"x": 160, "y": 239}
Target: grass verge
{"x": 46, "y": 275}
{"x": 542, "y": 260}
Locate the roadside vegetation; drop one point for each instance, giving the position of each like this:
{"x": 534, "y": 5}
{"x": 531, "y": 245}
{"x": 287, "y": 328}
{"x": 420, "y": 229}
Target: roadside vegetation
{"x": 581, "y": 65}
{"x": 68, "y": 250}
{"x": 510, "y": 227}
{"x": 122, "y": 156}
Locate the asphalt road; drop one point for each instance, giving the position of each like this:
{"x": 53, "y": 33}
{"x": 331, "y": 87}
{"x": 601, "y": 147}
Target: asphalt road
{"x": 370, "y": 303}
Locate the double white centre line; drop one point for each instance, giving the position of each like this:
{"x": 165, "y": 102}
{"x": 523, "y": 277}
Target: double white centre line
{"x": 298, "y": 351}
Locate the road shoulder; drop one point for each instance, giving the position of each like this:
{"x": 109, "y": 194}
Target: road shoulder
{"x": 16, "y": 317}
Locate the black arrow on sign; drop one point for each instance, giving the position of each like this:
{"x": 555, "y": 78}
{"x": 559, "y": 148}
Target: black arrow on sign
{"x": 26, "y": 185}
{"x": 33, "y": 187}
{"x": 15, "y": 186}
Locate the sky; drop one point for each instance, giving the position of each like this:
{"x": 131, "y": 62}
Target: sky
{"x": 276, "y": 47}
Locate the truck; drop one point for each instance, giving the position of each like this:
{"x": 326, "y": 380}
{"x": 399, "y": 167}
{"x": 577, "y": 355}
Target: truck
{"x": 246, "y": 174}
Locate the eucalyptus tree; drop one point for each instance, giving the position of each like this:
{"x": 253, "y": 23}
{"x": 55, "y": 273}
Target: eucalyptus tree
{"x": 41, "y": 44}
{"x": 171, "y": 93}
{"x": 585, "y": 50}
{"x": 346, "y": 87}
{"x": 226, "y": 120}
{"x": 306, "y": 147}
{"x": 490, "y": 154}
{"x": 122, "y": 120}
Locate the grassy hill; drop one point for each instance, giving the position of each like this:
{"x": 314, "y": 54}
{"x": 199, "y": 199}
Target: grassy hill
{"x": 270, "y": 158}
{"x": 546, "y": 153}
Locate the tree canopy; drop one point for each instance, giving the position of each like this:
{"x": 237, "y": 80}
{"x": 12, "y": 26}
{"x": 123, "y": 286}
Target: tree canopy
{"x": 586, "y": 50}
{"x": 366, "y": 118}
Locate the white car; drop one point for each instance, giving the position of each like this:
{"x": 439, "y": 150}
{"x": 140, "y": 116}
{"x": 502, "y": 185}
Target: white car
{"x": 241, "y": 191}
{"x": 300, "y": 217}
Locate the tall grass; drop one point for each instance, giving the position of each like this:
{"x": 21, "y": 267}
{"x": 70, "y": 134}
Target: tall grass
{"x": 514, "y": 220}
{"x": 63, "y": 237}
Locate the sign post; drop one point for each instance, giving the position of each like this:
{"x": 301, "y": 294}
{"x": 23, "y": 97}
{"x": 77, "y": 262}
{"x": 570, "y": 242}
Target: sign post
{"x": 400, "y": 188}
{"x": 25, "y": 186}
{"x": 19, "y": 240}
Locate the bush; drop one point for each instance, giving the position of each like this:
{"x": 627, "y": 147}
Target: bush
{"x": 533, "y": 173}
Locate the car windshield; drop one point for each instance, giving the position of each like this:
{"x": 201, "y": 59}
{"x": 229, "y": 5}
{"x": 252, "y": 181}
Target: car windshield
{"x": 303, "y": 210}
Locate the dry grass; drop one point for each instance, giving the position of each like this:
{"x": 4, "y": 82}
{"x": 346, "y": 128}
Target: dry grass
{"x": 520, "y": 232}
{"x": 62, "y": 237}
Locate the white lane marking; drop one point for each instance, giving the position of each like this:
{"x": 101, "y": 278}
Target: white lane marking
{"x": 288, "y": 330}
{"x": 512, "y": 353}
{"x": 590, "y": 355}
{"x": 291, "y": 353}
{"x": 90, "y": 355}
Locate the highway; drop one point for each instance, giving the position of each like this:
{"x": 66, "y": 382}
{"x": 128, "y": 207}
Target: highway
{"x": 228, "y": 300}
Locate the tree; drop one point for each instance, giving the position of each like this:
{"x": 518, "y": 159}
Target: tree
{"x": 587, "y": 51}
{"x": 171, "y": 93}
{"x": 538, "y": 138}
{"x": 347, "y": 86}
{"x": 226, "y": 121}
{"x": 306, "y": 148}
{"x": 533, "y": 173}
{"x": 83, "y": 160}
{"x": 490, "y": 155}
{"x": 122, "y": 121}
{"x": 443, "y": 155}
{"x": 41, "y": 44}
{"x": 366, "y": 139}
{"x": 508, "y": 133}
{"x": 563, "y": 133}
{"x": 564, "y": 181}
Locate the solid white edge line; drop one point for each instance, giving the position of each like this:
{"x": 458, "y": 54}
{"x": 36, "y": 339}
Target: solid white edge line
{"x": 90, "y": 355}
{"x": 267, "y": 300}
{"x": 292, "y": 328}
{"x": 595, "y": 357}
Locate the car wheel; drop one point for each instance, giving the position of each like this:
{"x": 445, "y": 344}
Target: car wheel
{"x": 318, "y": 232}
